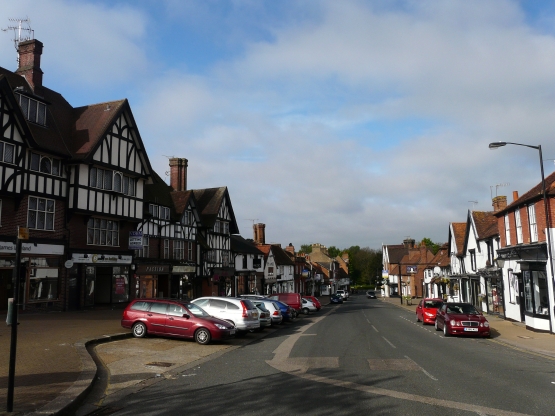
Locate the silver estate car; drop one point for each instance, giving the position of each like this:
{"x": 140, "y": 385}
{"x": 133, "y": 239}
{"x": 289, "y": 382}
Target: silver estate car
{"x": 240, "y": 312}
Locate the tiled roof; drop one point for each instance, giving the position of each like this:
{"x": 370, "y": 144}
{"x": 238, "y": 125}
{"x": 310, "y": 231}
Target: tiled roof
{"x": 486, "y": 224}
{"x": 209, "y": 201}
{"x": 533, "y": 194}
{"x": 240, "y": 245}
{"x": 459, "y": 229}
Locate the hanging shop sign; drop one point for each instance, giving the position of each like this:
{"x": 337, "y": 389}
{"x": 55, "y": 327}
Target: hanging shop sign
{"x": 135, "y": 240}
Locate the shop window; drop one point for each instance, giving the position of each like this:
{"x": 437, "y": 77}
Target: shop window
{"x": 43, "y": 284}
{"x": 41, "y": 214}
{"x": 103, "y": 232}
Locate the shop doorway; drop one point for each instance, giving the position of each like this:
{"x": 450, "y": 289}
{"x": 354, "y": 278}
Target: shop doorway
{"x": 6, "y": 288}
{"x": 103, "y": 289}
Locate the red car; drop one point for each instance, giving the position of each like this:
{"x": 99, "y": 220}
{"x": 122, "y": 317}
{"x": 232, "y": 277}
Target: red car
{"x": 461, "y": 319}
{"x": 427, "y": 309}
{"x": 174, "y": 318}
{"x": 314, "y": 300}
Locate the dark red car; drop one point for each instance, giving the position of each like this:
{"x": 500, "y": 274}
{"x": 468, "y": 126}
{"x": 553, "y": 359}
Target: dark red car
{"x": 461, "y": 319}
{"x": 314, "y": 300}
{"x": 427, "y": 309}
{"x": 174, "y": 318}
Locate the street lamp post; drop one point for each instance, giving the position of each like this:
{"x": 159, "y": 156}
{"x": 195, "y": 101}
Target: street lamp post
{"x": 496, "y": 145}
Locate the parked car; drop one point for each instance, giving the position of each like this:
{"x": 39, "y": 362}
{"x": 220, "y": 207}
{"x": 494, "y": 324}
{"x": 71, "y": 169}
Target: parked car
{"x": 315, "y": 300}
{"x": 426, "y": 310}
{"x": 336, "y": 299}
{"x": 291, "y": 299}
{"x": 275, "y": 312}
{"x": 240, "y": 312}
{"x": 286, "y": 311}
{"x": 308, "y": 306}
{"x": 370, "y": 294}
{"x": 174, "y": 318}
{"x": 343, "y": 293}
{"x": 263, "y": 317}
{"x": 461, "y": 319}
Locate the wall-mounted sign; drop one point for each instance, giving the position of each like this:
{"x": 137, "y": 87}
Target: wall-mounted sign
{"x": 101, "y": 258}
{"x": 153, "y": 269}
{"x": 32, "y": 248}
{"x": 135, "y": 240}
{"x": 411, "y": 269}
{"x": 183, "y": 269}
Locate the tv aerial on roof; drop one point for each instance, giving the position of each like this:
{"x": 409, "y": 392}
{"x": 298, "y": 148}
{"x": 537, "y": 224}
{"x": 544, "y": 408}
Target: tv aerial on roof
{"x": 22, "y": 32}
{"x": 497, "y": 186}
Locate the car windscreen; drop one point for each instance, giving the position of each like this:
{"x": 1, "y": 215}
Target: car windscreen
{"x": 433, "y": 304}
{"x": 462, "y": 309}
{"x": 197, "y": 310}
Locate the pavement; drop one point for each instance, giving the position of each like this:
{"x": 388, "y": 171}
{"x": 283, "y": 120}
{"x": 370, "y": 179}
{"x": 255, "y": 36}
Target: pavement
{"x": 58, "y": 357}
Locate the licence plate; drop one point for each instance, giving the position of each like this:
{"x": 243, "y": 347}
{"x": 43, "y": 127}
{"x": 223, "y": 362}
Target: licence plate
{"x": 471, "y": 329}
{"x": 232, "y": 332}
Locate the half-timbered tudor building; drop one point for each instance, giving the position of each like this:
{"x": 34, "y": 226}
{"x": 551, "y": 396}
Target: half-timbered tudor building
{"x": 33, "y": 185}
{"x": 279, "y": 270}
{"x": 249, "y": 262}
{"x": 217, "y": 224}
{"x": 84, "y": 171}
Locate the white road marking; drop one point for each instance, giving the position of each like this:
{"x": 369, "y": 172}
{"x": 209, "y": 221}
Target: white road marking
{"x": 282, "y": 363}
{"x": 424, "y": 371}
{"x": 389, "y": 342}
{"x": 375, "y": 329}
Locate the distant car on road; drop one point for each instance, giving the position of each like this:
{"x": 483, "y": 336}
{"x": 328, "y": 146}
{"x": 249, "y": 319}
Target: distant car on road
{"x": 174, "y": 318}
{"x": 370, "y": 294}
{"x": 461, "y": 319}
{"x": 343, "y": 293}
{"x": 314, "y": 300}
{"x": 336, "y": 299}
{"x": 426, "y": 310}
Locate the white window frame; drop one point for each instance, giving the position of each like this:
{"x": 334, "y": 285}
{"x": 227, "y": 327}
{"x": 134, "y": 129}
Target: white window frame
{"x": 3, "y": 146}
{"x": 507, "y": 230}
{"x": 166, "y": 248}
{"x": 48, "y": 211}
{"x": 102, "y": 232}
{"x": 518, "y": 225}
{"x": 533, "y": 223}
{"x": 178, "y": 249}
{"x": 189, "y": 249}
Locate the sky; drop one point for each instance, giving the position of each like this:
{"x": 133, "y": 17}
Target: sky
{"x": 344, "y": 123}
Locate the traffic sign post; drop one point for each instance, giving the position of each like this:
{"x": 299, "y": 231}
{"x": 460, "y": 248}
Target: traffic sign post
{"x": 22, "y": 234}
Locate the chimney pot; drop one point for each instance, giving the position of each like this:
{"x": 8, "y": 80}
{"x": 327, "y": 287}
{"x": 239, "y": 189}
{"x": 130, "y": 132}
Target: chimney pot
{"x": 178, "y": 173}
{"x": 499, "y": 203}
{"x": 515, "y": 195}
{"x": 29, "y": 62}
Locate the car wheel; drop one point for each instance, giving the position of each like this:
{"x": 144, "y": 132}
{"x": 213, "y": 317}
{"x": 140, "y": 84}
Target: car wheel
{"x": 437, "y": 328}
{"x": 202, "y": 336}
{"x": 139, "y": 330}
{"x": 306, "y": 311}
{"x": 445, "y": 330}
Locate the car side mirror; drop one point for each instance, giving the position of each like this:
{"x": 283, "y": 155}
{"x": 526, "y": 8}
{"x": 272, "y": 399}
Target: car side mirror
{"x": 186, "y": 315}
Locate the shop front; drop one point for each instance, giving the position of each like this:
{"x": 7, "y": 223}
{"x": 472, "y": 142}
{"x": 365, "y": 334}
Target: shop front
{"x": 39, "y": 271}
{"x": 182, "y": 279}
{"x": 222, "y": 281}
{"x": 99, "y": 279}
{"x": 151, "y": 281}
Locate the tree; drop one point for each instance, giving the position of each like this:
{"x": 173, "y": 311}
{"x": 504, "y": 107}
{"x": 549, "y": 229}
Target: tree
{"x": 306, "y": 248}
{"x": 333, "y": 252}
{"x": 434, "y": 247}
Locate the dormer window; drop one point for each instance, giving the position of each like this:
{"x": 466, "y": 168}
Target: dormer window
{"x": 45, "y": 164}
{"x": 33, "y": 110}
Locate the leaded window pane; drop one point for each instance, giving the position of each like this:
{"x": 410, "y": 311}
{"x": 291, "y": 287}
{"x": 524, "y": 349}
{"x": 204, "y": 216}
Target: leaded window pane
{"x": 41, "y": 204}
{"x": 99, "y": 178}
{"x": 1, "y": 151}
{"x": 92, "y": 177}
{"x": 49, "y": 221}
{"x": 25, "y": 106}
{"x": 33, "y": 111}
{"x": 117, "y": 182}
{"x": 9, "y": 153}
{"x": 32, "y": 203}
{"x": 109, "y": 238}
{"x": 97, "y": 236}
{"x": 107, "y": 179}
{"x": 126, "y": 185}
{"x": 50, "y": 205}
{"x": 45, "y": 165}
{"x": 56, "y": 167}
{"x": 90, "y": 234}
{"x": 41, "y": 115}
{"x": 35, "y": 161}
{"x": 103, "y": 236}
{"x": 32, "y": 221}
{"x": 40, "y": 220}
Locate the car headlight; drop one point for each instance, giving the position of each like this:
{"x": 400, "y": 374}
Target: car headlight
{"x": 454, "y": 323}
{"x": 486, "y": 324}
{"x": 220, "y": 326}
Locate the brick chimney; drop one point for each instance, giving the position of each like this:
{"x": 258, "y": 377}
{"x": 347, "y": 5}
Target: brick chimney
{"x": 178, "y": 173}
{"x": 515, "y": 195}
{"x": 259, "y": 233}
{"x": 29, "y": 62}
{"x": 290, "y": 249}
{"x": 409, "y": 243}
{"x": 499, "y": 203}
